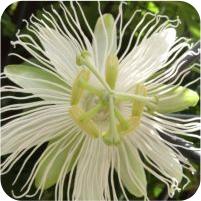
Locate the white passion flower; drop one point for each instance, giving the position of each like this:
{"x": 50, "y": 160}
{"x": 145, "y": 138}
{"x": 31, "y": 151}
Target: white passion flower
{"x": 101, "y": 107}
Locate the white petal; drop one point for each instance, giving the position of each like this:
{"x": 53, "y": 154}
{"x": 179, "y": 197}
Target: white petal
{"x": 105, "y": 39}
{"x": 131, "y": 170}
{"x": 61, "y": 52}
{"x": 33, "y": 128}
{"x": 38, "y": 81}
{"x": 147, "y": 58}
{"x": 162, "y": 155}
{"x": 55, "y": 157}
{"x": 171, "y": 165}
{"x": 92, "y": 171}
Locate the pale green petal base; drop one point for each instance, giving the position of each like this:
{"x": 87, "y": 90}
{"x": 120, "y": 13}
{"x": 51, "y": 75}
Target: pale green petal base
{"x": 131, "y": 170}
{"x": 30, "y": 77}
{"x": 55, "y": 169}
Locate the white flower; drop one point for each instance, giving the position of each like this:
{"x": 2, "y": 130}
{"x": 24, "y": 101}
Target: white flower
{"x": 101, "y": 107}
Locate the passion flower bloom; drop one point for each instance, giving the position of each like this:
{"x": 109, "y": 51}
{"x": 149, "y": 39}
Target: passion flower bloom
{"x": 101, "y": 107}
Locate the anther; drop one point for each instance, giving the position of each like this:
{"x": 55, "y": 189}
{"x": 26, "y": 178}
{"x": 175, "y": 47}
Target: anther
{"x": 77, "y": 90}
{"x": 88, "y": 126}
{"x": 138, "y": 106}
{"x": 111, "y": 70}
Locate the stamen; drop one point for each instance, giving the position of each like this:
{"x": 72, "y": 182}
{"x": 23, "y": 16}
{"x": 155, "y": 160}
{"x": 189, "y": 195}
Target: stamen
{"x": 88, "y": 126}
{"x": 111, "y": 70}
{"x": 138, "y": 106}
{"x": 133, "y": 123}
{"x": 125, "y": 126}
{"x": 123, "y": 122}
{"x": 91, "y": 113}
{"x": 77, "y": 91}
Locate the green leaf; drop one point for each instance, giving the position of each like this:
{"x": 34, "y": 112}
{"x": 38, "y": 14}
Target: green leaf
{"x": 152, "y": 7}
{"x": 36, "y": 80}
{"x": 177, "y": 100}
{"x": 157, "y": 190}
{"x": 9, "y": 27}
{"x": 195, "y": 31}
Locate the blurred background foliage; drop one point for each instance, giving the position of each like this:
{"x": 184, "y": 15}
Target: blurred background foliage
{"x": 11, "y": 21}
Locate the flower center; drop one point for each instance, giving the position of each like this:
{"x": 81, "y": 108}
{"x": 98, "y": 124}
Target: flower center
{"x": 97, "y": 111}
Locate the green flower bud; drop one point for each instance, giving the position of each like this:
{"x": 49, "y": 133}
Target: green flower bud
{"x": 177, "y": 100}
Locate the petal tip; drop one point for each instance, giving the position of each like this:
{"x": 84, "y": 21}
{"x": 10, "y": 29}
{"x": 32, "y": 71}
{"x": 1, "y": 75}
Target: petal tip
{"x": 169, "y": 35}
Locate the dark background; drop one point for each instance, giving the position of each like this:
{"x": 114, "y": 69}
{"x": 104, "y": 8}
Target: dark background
{"x": 11, "y": 21}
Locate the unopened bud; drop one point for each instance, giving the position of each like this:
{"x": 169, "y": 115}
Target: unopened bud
{"x": 177, "y": 100}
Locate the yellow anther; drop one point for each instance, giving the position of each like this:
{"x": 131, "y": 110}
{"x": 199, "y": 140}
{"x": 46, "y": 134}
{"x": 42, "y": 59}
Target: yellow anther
{"x": 138, "y": 106}
{"x": 111, "y": 70}
{"x": 127, "y": 126}
{"x": 88, "y": 126}
{"x": 77, "y": 90}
